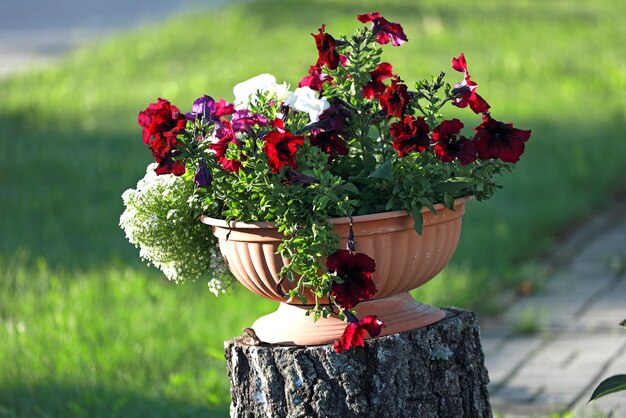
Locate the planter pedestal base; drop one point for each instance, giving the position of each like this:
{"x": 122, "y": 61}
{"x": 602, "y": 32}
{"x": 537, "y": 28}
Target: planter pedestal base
{"x": 289, "y": 325}
{"x": 436, "y": 371}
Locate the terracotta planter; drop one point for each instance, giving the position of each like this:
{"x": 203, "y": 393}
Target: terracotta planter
{"x": 404, "y": 261}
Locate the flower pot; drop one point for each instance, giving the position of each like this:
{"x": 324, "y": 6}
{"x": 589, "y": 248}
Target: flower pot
{"x": 404, "y": 261}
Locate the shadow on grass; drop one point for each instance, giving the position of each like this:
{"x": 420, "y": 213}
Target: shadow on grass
{"x": 74, "y": 401}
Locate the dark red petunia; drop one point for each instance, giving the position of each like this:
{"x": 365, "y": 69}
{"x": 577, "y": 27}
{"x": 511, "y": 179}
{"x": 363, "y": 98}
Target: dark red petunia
{"x": 354, "y": 334}
{"x": 376, "y": 87}
{"x": 162, "y": 146}
{"x": 496, "y": 139}
{"x": 168, "y": 165}
{"x": 333, "y": 119}
{"x": 225, "y": 136}
{"x": 450, "y": 146}
{"x": 330, "y": 142}
{"x": 280, "y": 148}
{"x": 161, "y": 123}
{"x": 161, "y": 119}
{"x": 326, "y": 45}
{"x": 384, "y": 30}
{"x": 410, "y": 135}
{"x": 356, "y": 272}
{"x": 316, "y": 79}
{"x": 465, "y": 90}
{"x": 395, "y": 99}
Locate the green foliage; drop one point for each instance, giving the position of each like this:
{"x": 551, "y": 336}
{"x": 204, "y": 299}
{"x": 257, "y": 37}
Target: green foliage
{"x": 610, "y": 385}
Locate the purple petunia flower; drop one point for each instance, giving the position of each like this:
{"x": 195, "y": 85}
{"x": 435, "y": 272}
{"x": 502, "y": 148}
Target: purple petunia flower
{"x": 203, "y": 176}
{"x": 243, "y": 120}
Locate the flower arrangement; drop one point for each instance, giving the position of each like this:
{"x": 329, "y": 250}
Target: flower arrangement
{"x": 353, "y": 138}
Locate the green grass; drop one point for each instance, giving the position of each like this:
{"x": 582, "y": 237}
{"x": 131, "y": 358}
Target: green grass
{"x": 86, "y": 330}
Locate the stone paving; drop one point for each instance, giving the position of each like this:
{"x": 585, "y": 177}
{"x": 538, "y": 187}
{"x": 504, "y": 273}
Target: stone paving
{"x": 548, "y": 352}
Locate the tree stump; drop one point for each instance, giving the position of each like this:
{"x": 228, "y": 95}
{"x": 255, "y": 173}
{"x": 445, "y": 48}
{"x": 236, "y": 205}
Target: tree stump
{"x": 436, "y": 371}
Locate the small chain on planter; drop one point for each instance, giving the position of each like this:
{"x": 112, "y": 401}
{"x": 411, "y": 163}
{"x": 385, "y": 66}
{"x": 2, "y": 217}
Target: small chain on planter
{"x": 351, "y": 245}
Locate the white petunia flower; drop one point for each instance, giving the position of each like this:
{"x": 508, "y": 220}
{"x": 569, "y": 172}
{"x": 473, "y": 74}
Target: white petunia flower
{"x": 305, "y": 100}
{"x": 246, "y": 91}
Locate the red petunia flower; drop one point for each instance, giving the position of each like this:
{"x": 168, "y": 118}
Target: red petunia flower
{"x": 162, "y": 146}
{"x": 376, "y": 86}
{"x": 330, "y": 142}
{"x": 410, "y": 135}
{"x": 161, "y": 119}
{"x": 395, "y": 99}
{"x": 326, "y": 45}
{"x": 496, "y": 139}
{"x": 280, "y": 148}
{"x": 279, "y": 124}
{"x": 384, "y": 30}
{"x": 225, "y": 136}
{"x": 223, "y": 108}
{"x": 354, "y": 334}
{"x": 450, "y": 146}
{"x": 356, "y": 272}
{"x": 315, "y": 79}
{"x": 169, "y": 166}
{"x": 465, "y": 91}
{"x": 161, "y": 123}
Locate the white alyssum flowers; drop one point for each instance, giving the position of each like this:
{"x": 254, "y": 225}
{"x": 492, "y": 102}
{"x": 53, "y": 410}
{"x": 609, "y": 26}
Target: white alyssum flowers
{"x": 161, "y": 221}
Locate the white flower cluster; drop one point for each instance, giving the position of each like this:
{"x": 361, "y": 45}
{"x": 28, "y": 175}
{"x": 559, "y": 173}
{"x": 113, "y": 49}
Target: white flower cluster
{"x": 304, "y": 99}
{"x": 159, "y": 220}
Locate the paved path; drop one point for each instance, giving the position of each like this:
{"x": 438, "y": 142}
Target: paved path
{"x": 576, "y": 342}
{"x": 37, "y": 32}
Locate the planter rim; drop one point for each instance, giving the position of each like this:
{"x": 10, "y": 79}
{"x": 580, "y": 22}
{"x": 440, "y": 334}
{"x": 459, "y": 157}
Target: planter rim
{"x": 335, "y": 221}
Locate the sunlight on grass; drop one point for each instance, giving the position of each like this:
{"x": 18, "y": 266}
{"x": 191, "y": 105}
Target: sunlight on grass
{"x": 121, "y": 330}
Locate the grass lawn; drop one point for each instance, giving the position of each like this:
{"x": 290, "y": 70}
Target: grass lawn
{"x": 87, "y": 330}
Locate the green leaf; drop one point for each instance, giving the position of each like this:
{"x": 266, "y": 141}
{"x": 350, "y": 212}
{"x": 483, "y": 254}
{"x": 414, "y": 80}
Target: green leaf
{"x": 323, "y": 202}
{"x": 369, "y": 162}
{"x": 385, "y": 171}
{"x": 613, "y": 384}
{"x": 418, "y": 219}
{"x": 363, "y": 180}
{"x": 448, "y": 200}
{"x": 348, "y": 188}
{"x": 452, "y": 186}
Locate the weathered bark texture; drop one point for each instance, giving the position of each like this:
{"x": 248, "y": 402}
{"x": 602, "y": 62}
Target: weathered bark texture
{"x": 437, "y": 371}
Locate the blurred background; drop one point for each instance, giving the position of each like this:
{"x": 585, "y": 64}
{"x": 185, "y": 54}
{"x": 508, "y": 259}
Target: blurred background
{"x": 87, "y": 330}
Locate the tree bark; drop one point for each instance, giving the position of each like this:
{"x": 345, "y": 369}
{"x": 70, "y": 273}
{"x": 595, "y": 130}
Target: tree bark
{"x": 436, "y": 371}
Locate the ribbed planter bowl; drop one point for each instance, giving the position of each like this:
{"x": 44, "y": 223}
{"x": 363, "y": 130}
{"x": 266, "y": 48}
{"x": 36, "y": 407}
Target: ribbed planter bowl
{"x": 404, "y": 261}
